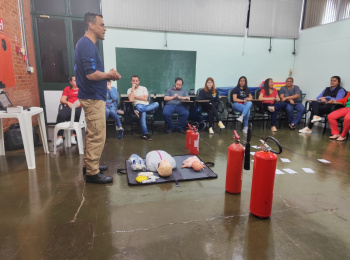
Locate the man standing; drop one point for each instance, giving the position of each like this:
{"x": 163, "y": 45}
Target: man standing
{"x": 174, "y": 96}
{"x": 291, "y": 95}
{"x": 92, "y": 82}
{"x": 139, "y": 95}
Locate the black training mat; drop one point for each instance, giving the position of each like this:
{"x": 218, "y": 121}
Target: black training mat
{"x": 179, "y": 174}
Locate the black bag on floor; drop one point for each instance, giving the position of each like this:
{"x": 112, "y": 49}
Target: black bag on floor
{"x": 13, "y": 138}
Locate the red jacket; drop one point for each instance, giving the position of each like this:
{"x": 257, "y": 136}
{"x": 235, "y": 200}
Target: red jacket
{"x": 344, "y": 99}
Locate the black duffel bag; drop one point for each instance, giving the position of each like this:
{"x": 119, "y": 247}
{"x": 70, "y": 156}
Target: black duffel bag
{"x": 13, "y": 138}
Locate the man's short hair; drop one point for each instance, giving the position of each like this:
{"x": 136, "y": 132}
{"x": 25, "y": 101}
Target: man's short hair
{"x": 90, "y": 17}
{"x": 290, "y": 78}
{"x": 179, "y": 79}
{"x": 135, "y": 76}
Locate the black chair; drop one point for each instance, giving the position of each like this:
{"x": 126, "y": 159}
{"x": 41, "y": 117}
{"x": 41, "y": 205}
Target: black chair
{"x": 259, "y": 113}
{"x": 134, "y": 120}
{"x": 231, "y": 113}
{"x": 109, "y": 120}
{"x": 200, "y": 105}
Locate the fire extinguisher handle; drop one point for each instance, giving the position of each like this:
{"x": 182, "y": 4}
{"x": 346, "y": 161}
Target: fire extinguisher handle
{"x": 277, "y": 143}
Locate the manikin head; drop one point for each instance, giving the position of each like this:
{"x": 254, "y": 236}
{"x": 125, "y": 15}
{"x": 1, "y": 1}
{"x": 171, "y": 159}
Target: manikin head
{"x": 197, "y": 166}
{"x": 164, "y": 168}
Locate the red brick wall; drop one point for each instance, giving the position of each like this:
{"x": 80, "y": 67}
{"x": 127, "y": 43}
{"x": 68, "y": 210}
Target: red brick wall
{"x": 26, "y": 92}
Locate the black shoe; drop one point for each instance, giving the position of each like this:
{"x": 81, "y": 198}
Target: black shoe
{"x": 120, "y": 133}
{"x": 98, "y": 178}
{"x": 169, "y": 131}
{"x": 101, "y": 167}
{"x": 147, "y": 137}
{"x": 182, "y": 131}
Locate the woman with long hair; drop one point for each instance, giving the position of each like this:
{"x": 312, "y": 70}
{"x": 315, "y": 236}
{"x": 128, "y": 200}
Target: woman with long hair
{"x": 269, "y": 95}
{"x": 210, "y": 93}
{"x": 241, "y": 101}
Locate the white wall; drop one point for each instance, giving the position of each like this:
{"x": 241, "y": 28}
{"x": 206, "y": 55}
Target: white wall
{"x": 225, "y": 58}
{"x": 323, "y": 52}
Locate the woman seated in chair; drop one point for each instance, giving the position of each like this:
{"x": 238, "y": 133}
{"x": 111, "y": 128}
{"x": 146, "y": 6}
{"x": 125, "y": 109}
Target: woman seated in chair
{"x": 339, "y": 113}
{"x": 241, "y": 101}
{"x": 112, "y": 108}
{"x": 69, "y": 96}
{"x": 210, "y": 93}
{"x": 269, "y": 95}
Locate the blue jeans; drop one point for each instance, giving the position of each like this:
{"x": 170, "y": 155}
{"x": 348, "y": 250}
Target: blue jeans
{"x": 278, "y": 106}
{"x": 171, "y": 109}
{"x": 290, "y": 112}
{"x": 245, "y": 109}
{"x": 111, "y": 110}
{"x": 143, "y": 109}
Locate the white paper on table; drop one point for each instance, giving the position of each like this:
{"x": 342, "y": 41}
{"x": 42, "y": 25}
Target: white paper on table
{"x": 290, "y": 171}
{"x": 308, "y": 170}
{"x": 279, "y": 171}
{"x": 252, "y": 153}
{"x": 285, "y": 160}
{"x": 324, "y": 161}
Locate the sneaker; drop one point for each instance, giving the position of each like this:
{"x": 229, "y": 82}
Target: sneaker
{"x": 72, "y": 140}
{"x": 59, "y": 141}
{"x": 147, "y": 137}
{"x": 240, "y": 119}
{"x": 120, "y": 133}
{"x": 221, "y": 125}
{"x": 182, "y": 131}
{"x": 211, "y": 131}
{"x": 305, "y": 130}
{"x": 245, "y": 129}
{"x": 316, "y": 119}
{"x": 137, "y": 113}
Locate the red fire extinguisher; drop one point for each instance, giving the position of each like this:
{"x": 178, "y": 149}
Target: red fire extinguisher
{"x": 234, "y": 169}
{"x": 194, "y": 149}
{"x": 263, "y": 180}
{"x": 188, "y": 137}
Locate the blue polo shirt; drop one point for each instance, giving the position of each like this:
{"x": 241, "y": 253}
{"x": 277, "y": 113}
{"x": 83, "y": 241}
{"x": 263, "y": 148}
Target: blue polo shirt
{"x": 87, "y": 60}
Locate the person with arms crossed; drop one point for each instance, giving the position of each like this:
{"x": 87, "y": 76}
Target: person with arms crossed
{"x": 139, "y": 95}
{"x": 92, "y": 82}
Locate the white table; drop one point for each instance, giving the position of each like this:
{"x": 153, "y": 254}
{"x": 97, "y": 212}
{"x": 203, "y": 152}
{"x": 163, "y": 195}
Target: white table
{"x": 25, "y": 122}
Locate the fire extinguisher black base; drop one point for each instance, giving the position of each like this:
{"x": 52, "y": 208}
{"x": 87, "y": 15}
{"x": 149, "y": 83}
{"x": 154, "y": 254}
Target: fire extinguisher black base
{"x": 260, "y": 217}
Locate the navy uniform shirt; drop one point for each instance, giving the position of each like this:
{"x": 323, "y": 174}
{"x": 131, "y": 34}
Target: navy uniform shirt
{"x": 87, "y": 60}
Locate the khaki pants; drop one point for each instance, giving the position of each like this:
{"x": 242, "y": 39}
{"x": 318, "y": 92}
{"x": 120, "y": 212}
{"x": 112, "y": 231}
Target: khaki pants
{"x": 95, "y": 116}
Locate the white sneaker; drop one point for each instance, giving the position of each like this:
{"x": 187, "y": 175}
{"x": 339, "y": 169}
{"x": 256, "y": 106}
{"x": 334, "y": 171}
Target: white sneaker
{"x": 245, "y": 129}
{"x": 59, "y": 141}
{"x": 72, "y": 140}
{"x": 240, "y": 119}
{"x": 211, "y": 131}
{"x": 305, "y": 130}
{"x": 316, "y": 119}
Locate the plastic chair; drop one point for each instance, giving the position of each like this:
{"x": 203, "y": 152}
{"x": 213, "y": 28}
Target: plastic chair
{"x": 68, "y": 127}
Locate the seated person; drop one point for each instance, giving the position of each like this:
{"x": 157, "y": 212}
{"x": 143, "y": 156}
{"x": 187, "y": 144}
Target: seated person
{"x": 291, "y": 95}
{"x": 210, "y": 93}
{"x": 322, "y": 105}
{"x": 173, "y": 97}
{"x": 139, "y": 95}
{"x": 268, "y": 95}
{"x": 161, "y": 162}
{"x": 342, "y": 112}
{"x": 111, "y": 108}
{"x": 241, "y": 101}
{"x": 69, "y": 96}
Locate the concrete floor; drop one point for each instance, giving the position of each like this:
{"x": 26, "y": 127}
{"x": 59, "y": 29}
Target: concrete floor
{"x": 50, "y": 213}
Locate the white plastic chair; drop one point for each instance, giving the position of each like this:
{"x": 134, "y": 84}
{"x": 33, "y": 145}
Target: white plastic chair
{"x": 69, "y": 126}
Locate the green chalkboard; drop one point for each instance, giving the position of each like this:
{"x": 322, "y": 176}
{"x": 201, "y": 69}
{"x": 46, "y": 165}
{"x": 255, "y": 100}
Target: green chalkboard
{"x": 157, "y": 69}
